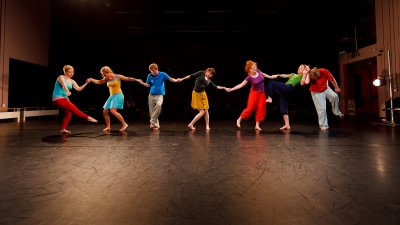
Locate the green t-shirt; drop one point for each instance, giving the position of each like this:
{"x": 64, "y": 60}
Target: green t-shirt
{"x": 294, "y": 79}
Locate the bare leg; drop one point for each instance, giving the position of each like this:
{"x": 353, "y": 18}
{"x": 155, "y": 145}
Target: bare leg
{"x": 287, "y": 125}
{"x": 195, "y": 119}
{"x": 107, "y": 120}
{"x": 207, "y": 118}
{"x": 257, "y": 125}
{"x": 120, "y": 118}
{"x": 238, "y": 122}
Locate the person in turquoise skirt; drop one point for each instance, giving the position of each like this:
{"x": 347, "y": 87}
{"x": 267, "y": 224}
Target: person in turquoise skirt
{"x": 116, "y": 99}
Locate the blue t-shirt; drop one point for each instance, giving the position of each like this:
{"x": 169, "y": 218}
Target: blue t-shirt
{"x": 157, "y": 85}
{"x": 59, "y": 92}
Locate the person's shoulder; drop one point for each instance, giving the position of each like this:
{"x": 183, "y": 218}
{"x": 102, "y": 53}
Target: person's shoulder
{"x": 198, "y": 73}
{"x": 323, "y": 69}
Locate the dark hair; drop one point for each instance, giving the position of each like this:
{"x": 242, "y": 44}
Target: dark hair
{"x": 211, "y": 70}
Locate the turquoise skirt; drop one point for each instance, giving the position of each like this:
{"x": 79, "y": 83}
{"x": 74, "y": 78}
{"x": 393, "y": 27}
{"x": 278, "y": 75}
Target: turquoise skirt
{"x": 115, "y": 102}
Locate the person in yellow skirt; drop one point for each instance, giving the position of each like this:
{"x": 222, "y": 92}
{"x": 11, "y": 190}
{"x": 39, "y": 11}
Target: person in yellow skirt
{"x": 199, "y": 96}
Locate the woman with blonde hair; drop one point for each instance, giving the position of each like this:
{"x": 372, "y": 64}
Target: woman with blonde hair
{"x": 257, "y": 100}
{"x": 276, "y": 88}
{"x": 60, "y": 98}
{"x": 116, "y": 99}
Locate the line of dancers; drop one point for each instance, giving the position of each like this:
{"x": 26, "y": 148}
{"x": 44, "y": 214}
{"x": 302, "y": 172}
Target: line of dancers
{"x": 317, "y": 78}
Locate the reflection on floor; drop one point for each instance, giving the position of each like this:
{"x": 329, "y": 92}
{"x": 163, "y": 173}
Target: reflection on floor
{"x": 349, "y": 174}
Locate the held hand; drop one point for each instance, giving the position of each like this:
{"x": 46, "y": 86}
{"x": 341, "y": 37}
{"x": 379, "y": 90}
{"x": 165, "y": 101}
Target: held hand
{"x": 274, "y": 76}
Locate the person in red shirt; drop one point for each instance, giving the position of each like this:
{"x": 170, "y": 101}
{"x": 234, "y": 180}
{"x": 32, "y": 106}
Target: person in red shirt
{"x": 320, "y": 91}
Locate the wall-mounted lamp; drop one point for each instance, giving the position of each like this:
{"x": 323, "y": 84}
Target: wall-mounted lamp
{"x": 379, "y": 82}
{"x": 382, "y": 81}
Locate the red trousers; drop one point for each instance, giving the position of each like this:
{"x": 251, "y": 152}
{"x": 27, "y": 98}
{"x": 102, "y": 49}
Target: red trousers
{"x": 69, "y": 110}
{"x": 255, "y": 103}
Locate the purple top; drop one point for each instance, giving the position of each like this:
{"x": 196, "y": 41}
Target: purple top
{"x": 257, "y": 84}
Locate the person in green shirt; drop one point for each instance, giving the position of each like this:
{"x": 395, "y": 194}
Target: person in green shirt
{"x": 276, "y": 88}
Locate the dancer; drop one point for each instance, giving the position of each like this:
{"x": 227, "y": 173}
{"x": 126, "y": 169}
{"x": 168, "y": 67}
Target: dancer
{"x": 62, "y": 87}
{"x": 257, "y": 100}
{"x": 116, "y": 99}
{"x": 155, "y": 80}
{"x": 320, "y": 91}
{"x": 284, "y": 89}
{"x": 199, "y": 95}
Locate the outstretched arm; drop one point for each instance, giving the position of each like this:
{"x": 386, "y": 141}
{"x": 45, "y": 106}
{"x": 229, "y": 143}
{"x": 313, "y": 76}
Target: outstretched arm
{"x": 282, "y": 75}
{"x": 183, "y": 78}
{"x": 102, "y": 81}
{"x": 238, "y": 86}
{"x": 173, "y": 80}
{"x": 80, "y": 88}
{"x": 143, "y": 83}
{"x": 268, "y": 76}
{"x": 124, "y": 78}
{"x": 222, "y": 87}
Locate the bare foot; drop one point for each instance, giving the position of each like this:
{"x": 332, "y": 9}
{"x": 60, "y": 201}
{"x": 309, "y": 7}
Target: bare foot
{"x": 154, "y": 126}
{"x": 107, "y": 129}
{"x": 286, "y": 127}
{"x": 324, "y": 128}
{"x": 191, "y": 127}
{"x": 91, "y": 119}
{"x": 65, "y": 131}
{"x": 257, "y": 128}
{"x": 269, "y": 100}
{"x": 123, "y": 128}
{"x": 238, "y": 122}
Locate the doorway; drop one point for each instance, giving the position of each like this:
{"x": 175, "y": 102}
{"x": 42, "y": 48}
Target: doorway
{"x": 360, "y": 91}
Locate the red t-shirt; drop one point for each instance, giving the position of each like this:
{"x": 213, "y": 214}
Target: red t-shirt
{"x": 321, "y": 84}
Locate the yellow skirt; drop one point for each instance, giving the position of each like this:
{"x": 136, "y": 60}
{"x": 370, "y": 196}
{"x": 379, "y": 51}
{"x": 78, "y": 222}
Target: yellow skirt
{"x": 199, "y": 100}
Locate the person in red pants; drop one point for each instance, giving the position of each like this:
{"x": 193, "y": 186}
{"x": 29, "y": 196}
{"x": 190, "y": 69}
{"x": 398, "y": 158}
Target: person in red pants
{"x": 61, "y": 91}
{"x": 257, "y": 99}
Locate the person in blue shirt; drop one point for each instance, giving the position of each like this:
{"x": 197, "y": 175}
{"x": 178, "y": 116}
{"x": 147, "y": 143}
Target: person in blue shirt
{"x": 156, "y": 82}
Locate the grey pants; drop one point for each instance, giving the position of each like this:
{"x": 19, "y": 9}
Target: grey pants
{"x": 155, "y": 105}
{"x": 319, "y": 99}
